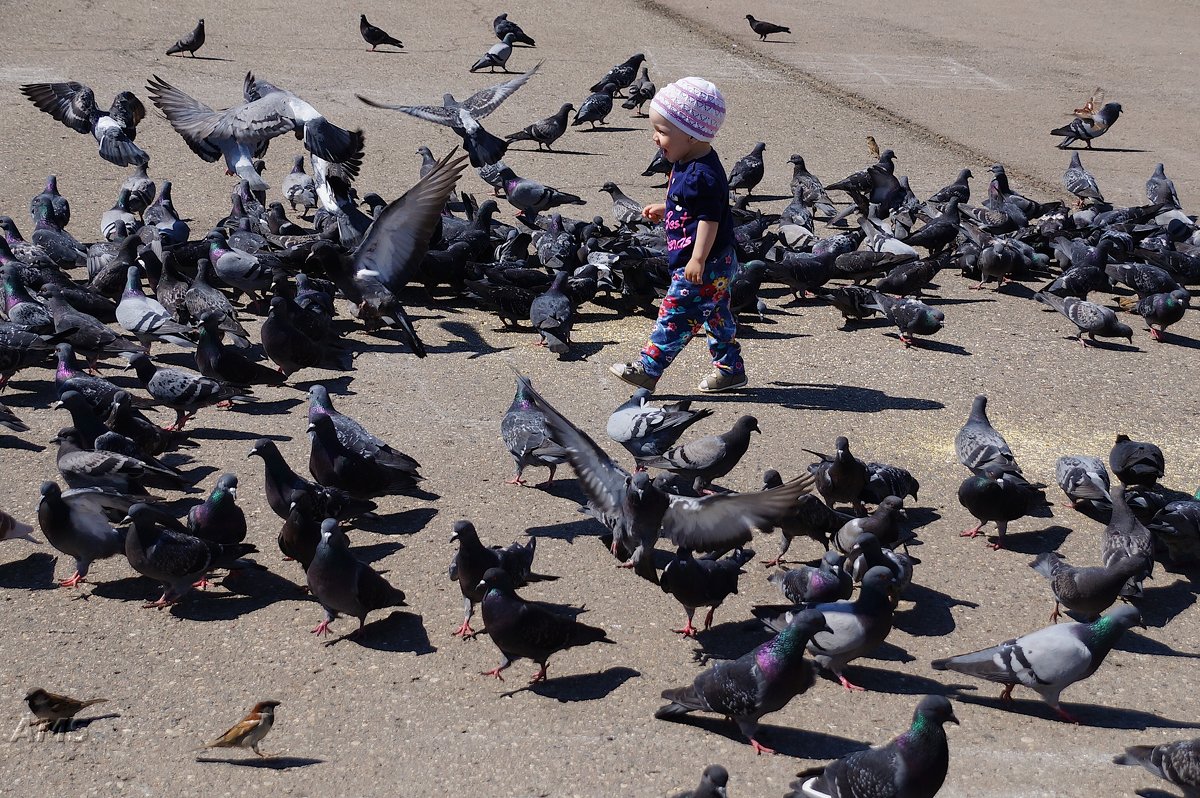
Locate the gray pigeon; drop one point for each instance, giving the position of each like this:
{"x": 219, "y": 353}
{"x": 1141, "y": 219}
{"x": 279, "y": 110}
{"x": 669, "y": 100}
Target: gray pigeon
{"x": 1160, "y": 189}
{"x": 496, "y": 56}
{"x": 758, "y": 683}
{"x": 190, "y": 43}
{"x": 724, "y": 521}
{"x": 526, "y": 437}
{"x": 913, "y": 765}
{"x": 748, "y": 172}
{"x": 647, "y": 431}
{"x": 1087, "y": 591}
{"x": 1083, "y": 479}
{"x": 1126, "y": 538}
{"x": 75, "y": 522}
{"x": 1086, "y": 128}
{"x": 978, "y": 444}
{"x": 1089, "y": 317}
{"x": 713, "y": 782}
{"x": 141, "y": 190}
{"x": 146, "y": 318}
{"x": 552, "y": 315}
{"x": 343, "y": 584}
{"x": 183, "y": 391}
{"x": 1049, "y": 660}
{"x": 856, "y": 628}
{"x": 241, "y": 133}
{"x": 596, "y": 107}
{"x": 883, "y": 523}
{"x": 1177, "y": 763}
{"x": 626, "y": 212}
{"x": 1081, "y": 182}
{"x": 545, "y": 131}
{"x": 74, "y": 104}
{"x": 911, "y": 316}
{"x": 161, "y": 548}
{"x": 299, "y": 188}
{"x": 710, "y": 457}
{"x": 463, "y": 117}
{"x": 808, "y": 585}
{"x": 532, "y": 197}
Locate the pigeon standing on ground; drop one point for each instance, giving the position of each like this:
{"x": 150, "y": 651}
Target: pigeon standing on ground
{"x": 1087, "y": 591}
{"x": 1049, "y": 660}
{"x": 376, "y": 36}
{"x": 184, "y": 392}
{"x": 343, "y": 584}
{"x": 704, "y": 582}
{"x": 299, "y": 187}
{"x": 524, "y": 432}
{"x": 545, "y": 131}
{"x": 496, "y": 56}
{"x": 463, "y": 117}
{"x": 1127, "y": 538}
{"x": 758, "y": 683}
{"x": 532, "y": 197}
{"x": 1089, "y": 317}
{"x": 960, "y": 189}
{"x": 808, "y": 585}
{"x": 473, "y": 560}
{"x": 997, "y": 495}
{"x": 883, "y": 523}
{"x": 913, "y": 765}
{"x": 284, "y": 487}
{"x": 713, "y": 782}
{"x": 840, "y": 477}
{"x": 811, "y": 518}
{"x": 1160, "y": 311}
{"x": 641, "y": 91}
{"x": 646, "y": 431}
{"x": 218, "y": 518}
{"x": 1083, "y": 479}
{"x": 626, "y": 212}
{"x": 1136, "y": 462}
{"x": 146, "y": 318}
{"x": 74, "y": 104}
{"x": 1081, "y": 182}
{"x": 1160, "y": 189}
{"x": 620, "y": 76}
{"x": 748, "y": 172}
{"x": 979, "y": 445}
{"x": 75, "y": 523}
{"x": 1177, "y": 763}
{"x": 708, "y": 458}
{"x": 596, "y": 107}
{"x": 1086, "y": 128}
{"x": 190, "y": 43}
{"x": 764, "y": 28}
{"x": 503, "y": 26}
{"x": 912, "y": 317}
{"x": 525, "y": 630}
{"x": 552, "y": 315}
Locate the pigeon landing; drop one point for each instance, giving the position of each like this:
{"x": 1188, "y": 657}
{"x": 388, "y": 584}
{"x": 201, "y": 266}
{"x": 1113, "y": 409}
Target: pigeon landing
{"x": 74, "y": 104}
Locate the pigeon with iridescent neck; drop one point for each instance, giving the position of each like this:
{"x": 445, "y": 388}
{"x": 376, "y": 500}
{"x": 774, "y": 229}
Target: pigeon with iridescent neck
{"x": 523, "y": 430}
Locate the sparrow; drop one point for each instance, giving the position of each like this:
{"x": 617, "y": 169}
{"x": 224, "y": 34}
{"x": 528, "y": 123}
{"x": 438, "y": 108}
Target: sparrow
{"x": 51, "y": 708}
{"x": 872, "y": 147}
{"x": 249, "y": 731}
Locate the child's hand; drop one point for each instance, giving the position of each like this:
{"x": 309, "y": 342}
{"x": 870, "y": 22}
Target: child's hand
{"x": 654, "y": 212}
{"x": 694, "y": 272}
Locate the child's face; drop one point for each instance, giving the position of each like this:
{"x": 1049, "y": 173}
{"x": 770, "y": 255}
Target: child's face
{"x": 674, "y": 143}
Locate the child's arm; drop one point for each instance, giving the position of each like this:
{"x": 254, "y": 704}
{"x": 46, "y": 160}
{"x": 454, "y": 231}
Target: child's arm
{"x": 654, "y": 211}
{"x": 706, "y": 234}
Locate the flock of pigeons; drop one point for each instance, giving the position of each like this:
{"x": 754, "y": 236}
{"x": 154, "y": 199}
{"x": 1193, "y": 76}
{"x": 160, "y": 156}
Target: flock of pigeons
{"x": 62, "y": 298}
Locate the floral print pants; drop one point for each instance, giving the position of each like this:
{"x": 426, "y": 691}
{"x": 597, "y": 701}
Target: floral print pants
{"x": 686, "y": 309}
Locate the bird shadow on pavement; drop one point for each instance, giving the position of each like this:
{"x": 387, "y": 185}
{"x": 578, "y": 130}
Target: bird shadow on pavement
{"x": 376, "y": 551}
{"x": 13, "y": 442}
{"x": 1091, "y": 715}
{"x": 277, "y": 407}
{"x": 469, "y": 340}
{"x": 945, "y": 300}
{"x": 728, "y": 640}
{"x": 1036, "y": 541}
{"x": 582, "y": 350}
{"x": 583, "y": 528}
{"x": 555, "y": 152}
{"x": 398, "y": 632}
{"x": 819, "y": 396}
{"x": 798, "y": 743}
{"x": 611, "y": 129}
{"x": 205, "y": 58}
{"x": 579, "y": 686}
{"x": 919, "y": 517}
{"x": 265, "y": 763}
{"x": 890, "y": 682}
{"x": 1150, "y": 792}
{"x": 223, "y": 434}
{"x": 756, "y": 334}
{"x": 933, "y": 346}
{"x": 35, "y": 572}
{"x": 890, "y": 652}
{"x": 404, "y": 522}
{"x": 564, "y": 488}
{"x": 1140, "y": 644}
{"x": 1104, "y": 149}
{"x": 930, "y": 615}
{"x": 1161, "y": 604}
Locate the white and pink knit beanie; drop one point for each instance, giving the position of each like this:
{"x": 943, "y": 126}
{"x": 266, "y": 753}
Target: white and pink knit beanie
{"x": 693, "y": 105}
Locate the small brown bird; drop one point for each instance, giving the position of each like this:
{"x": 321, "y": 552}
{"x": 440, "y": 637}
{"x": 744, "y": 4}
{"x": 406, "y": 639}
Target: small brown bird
{"x": 872, "y": 147}
{"x": 51, "y": 708}
{"x": 1093, "y": 105}
{"x": 249, "y": 731}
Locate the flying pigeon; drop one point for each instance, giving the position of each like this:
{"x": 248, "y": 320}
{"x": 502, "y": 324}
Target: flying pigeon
{"x": 74, "y": 104}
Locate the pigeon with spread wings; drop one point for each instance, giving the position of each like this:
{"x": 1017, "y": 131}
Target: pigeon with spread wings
{"x": 242, "y": 132}
{"x": 463, "y": 117}
{"x": 74, "y": 104}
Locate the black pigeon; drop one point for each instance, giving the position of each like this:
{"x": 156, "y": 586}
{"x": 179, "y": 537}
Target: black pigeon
{"x": 913, "y": 765}
{"x": 764, "y": 28}
{"x": 285, "y": 344}
{"x": 82, "y": 468}
{"x": 525, "y": 630}
{"x": 758, "y": 683}
{"x": 1087, "y": 591}
{"x": 997, "y": 495}
{"x": 704, "y": 582}
{"x": 1177, "y": 763}
{"x": 218, "y": 518}
{"x": 840, "y": 477}
{"x": 343, "y": 584}
{"x": 226, "y": 364}
{"x": 502, "y": 26}
{"x": 911, "y": 316}
{"x": 545, "y": 131}
{"x": 1086, "y": 128}
{"x": 1127, "y": 538}
{"x": 885, "y": 480}
{"x": 810, "y": 517}
{"x": 960, "y": 189}
{"x": 809, "y": 585}
{"x": 159, "y": 547}
{"x": 285, "y": 487}
{"x": 712, "y": 784}
{"x": 76, "y": 523}
{"x": 552, "y": 315}
{"x": 190, "y": 43}
{"x": 708, "y": 458}
{"x": 74, "y": 104}
{"x": 473, "y": 560}
{"x": 748, "y": 172}
{"x": 1136, "y": 462}
{"x": 641, "y": 91}
{"x": 376, "y": 36}
{"x": 620, "y": 76}
{"x": 335, "y": 465}
{"x": 354, "y": 436}
{"x": 300, "y": 534}
{"x": 883, "y": 523}
{"x": 646, "y": 431}
{"x": 1160, "y": 311}
{"x": 523, "y": 430}
{"x": 596, "y": 107}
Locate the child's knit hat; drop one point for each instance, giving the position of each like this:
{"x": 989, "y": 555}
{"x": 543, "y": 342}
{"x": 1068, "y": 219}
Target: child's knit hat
{"x": 693, "y": 105}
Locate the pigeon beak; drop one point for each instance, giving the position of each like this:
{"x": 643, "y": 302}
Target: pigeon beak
{"x": 125, "y": 520}
{"x": 953, "y": 719}
{"x": 454, "y": 537}
{"x": 56, "y": 405}
{"x": 721, "y": 793}
{"x": 481, "y": 586}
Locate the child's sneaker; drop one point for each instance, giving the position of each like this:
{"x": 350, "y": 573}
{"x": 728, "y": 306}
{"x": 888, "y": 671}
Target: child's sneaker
{"x": 720, "y": 381}
{"x": 634, "y": 374}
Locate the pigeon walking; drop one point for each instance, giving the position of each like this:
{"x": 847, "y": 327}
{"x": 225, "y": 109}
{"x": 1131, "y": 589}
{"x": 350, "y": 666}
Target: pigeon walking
{"x": 344, "y": 584}
{"x": 596, "y": 107}
{"x": 524, "y": 432}
{"x": 1049, "y": 660}
{"x": 708, "y": 458}
{"x": 376, "y": 36}
{"x": 626, "y": 211}
{"x": 1177, "y": 763}
{"x": 646, "y": 431}
{"x": 190, "y": 43}
{"x": 758, "y": 683}
{"x": 1087, "y": 591}
{"x": 641, "y": 91}
{"x": 748, "y": 172}
{"x": 1085, "y": 128}
{"x": 1089, "y": 317}
{"x": 978, "y": 444}
{"x": 74, "y": 104}
{"x": 76, "y": 522}
{"x": 997, "y": 495}
{"x": 764, "y": 28}
{"x": 545, "y": 131}
{"x": 620, "y": 76}
{"x": 912, "y": 317}
{"x": 532, "y": 197}
{"x": 496, "y": 56}
{"x": 704, "y": 582}
{"x": 502, "y": 26}
{"x": 473, "y": 560}
{"x": 184, "y": 392}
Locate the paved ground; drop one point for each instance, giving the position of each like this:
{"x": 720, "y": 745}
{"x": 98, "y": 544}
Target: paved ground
{"x": 404, "y": 712}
